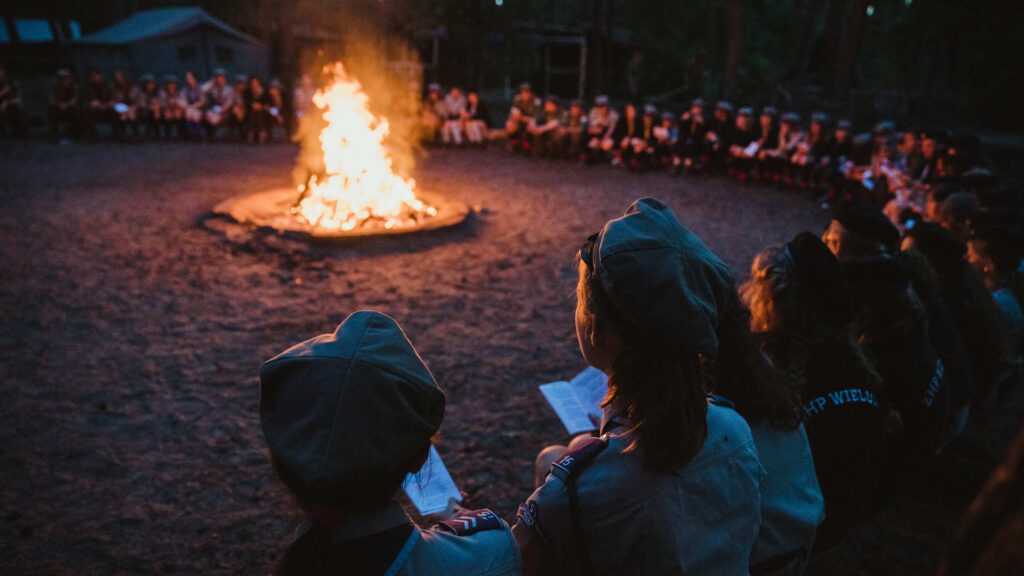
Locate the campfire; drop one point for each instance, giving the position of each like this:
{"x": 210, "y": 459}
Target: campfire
{"x": 358, "y": 187}
{"x": 354, "y": 189}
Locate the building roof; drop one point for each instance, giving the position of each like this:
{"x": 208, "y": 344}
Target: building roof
{"x": 151, "y": 24}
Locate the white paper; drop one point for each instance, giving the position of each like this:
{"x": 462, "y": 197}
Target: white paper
{"x": 578, "y": 402}
{"x": 120, "y": 107}
{"x": 750, "y": 150}
{"x": 432, "y": 487}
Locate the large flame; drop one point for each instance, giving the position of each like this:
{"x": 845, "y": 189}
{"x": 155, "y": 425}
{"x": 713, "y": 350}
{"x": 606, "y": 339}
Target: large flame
{"x": 358, "y": 186}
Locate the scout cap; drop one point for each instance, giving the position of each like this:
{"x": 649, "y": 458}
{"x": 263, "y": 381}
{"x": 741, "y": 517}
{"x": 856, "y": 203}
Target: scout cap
{"x": 349, "y": 405}
{"x": 746, "y": 111}
{"x": 525, "y": 86}
{"x": 661, "y": 277}
{"x": 870, "y": 225}
{"x": 241, "y": 78}
{"x": 697, "y": 102}
{"x": 170, "y": 78}
{"x": 666, "y": 115}
{"x": 601, "y": 100}
{"x": 650, "y": 109}
{"x": 819, "y": 118}
{"x": 724, "y": 105}
{"x": 220, "y": 72}
{"x": 147, "y": 77}
{"x": 843, "y": 124}
{"x": 791, "y": 118}
{"x": 821, "y": 283}
{"x": 769, "y": 111}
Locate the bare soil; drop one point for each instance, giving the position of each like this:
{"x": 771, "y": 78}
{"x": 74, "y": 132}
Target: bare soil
{"x": 132, "y": 335}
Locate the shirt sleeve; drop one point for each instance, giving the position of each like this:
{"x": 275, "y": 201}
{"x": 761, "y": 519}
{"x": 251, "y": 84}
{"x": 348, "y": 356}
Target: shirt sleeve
{"x": 546, "y": 513}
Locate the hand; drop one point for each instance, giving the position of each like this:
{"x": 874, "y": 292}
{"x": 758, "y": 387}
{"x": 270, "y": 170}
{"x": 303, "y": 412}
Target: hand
{"x": 452, "y": 510}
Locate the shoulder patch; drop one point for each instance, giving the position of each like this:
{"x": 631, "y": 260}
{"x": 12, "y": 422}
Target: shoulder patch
{"x": 576, "y": 460}
{"x": 470, "y": 523}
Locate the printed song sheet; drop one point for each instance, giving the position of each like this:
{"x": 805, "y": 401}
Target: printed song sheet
{"x": 578, "y": 401}
{"x": 432, "y": 487}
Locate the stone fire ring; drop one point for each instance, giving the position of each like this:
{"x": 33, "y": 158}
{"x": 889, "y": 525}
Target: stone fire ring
{"x": 272, "y": 209}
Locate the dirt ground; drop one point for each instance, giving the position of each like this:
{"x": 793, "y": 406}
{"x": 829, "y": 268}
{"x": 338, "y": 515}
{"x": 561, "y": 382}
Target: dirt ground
{"x": 132, "y": 337}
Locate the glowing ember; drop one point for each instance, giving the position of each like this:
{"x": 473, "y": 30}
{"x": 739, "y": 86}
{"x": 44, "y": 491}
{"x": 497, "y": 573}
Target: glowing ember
{"x": 358, "y": 186}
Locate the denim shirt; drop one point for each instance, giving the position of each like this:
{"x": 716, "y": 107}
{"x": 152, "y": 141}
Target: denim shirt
{"x": 791, "y": 500}
{"x": 433, "y": 551}
{"x": 700, "y": 519}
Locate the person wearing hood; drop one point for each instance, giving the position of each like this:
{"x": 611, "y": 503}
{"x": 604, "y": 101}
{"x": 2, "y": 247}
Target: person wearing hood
{"x": 347, "y": 416}
{"x": 672, "y": 483}
{"x": 800, "y": 305}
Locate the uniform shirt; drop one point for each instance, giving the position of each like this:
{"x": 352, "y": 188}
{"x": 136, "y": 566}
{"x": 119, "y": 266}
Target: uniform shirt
{"x": 700, "y": 519}
{"x": 454, "y": 106}
{"x": 435, "y": 551}
{"x": 791, "y": 501}
{"x": 218, "y": 96}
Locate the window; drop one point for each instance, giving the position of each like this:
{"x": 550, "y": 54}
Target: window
{"x": 224, "y": 54}
{"x": 33, "y": 31}
{"x": 187, "y": 53}
{"x": 74, "y": 29}
{"x": 4, "y": 36}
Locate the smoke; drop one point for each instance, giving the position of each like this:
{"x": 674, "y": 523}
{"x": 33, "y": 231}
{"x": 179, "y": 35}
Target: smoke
{"x": 391, "y": 75}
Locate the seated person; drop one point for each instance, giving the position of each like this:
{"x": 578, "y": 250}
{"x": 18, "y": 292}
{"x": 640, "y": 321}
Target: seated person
{"x": 147, "y": 104}
{"x": 238, "y": 110}
{"x": 172, "y": 111}
{"x": 12, "y": 109}
{"x": 433, "y": 114}
{"x": 743, "y": 146}
{"x": 275, "y": 103}
{"x": 525, "y": 108}
{"x": 454, "y": 107}
{"x": 601, "y": 123}
{"x": 666, "y": 136}
{"x": 627, "y": 130}
{"x": 672, "y": 484}
{"x": 808, "y": 150}
{"x": 719, "y": 135}
{"x": 218, "y": 98}
{"x": 800, "y": 306}
{"x": 767, "y": 138}
{"x": 775, "y": 158}
{"x": 475, "y": 118}
{"x": 575, "y": 129}
{"x": 99, "y": 104}
{"x": 257, "y": 110}
{"x": 347, "y": 417}
{"x": 192, "y": 101}
{"x": 693, "y": 129}
{"x": 64, "y": 110}
{"x": 547, "y": 131}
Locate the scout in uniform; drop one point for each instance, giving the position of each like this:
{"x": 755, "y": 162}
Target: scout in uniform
{"x": 475, "y": 118}
{"x": 124, "y": 111}
{"x": 671, "y": 485}
{"x": 218, "y": 97}
{"x": 12, "y": 110}
{"x": 172, "y": 112}
{"x": 275, "y": 106}
{"x": 719, "y": 136}
{"x": 601, "y": 123}
{"x": 768, "y": 137}
{"x": 693, "y": 130}
{"x": 575, "y": 128}
{"x": 665, "y": 136}
{"x": 547, "y": 131}
{"x": 455, "y": 106}
{"x": 433, "y": 113}
{"x": 238, "y": 109}
{"x": 192, "y": 101}
{"x": 626, "y": 132}
{"x": 800, "y": 306}
{"x": 64, "y": 109}
{"x": 525, "y": 108}
{"x": 775, "y": 158}
{"x": 347, "y": 417}
{"x": 147, "y": 103}
{"x": 97, "y": 103}
{"x": 808, "y": 150}
{"x": 742, "y": 148}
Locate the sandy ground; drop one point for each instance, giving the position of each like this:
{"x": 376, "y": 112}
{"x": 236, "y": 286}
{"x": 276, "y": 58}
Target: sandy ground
{"x": 132, "y": 337}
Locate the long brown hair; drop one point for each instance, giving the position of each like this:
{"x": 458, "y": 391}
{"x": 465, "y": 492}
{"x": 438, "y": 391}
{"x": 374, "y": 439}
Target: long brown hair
{"x": 659, "y": 382}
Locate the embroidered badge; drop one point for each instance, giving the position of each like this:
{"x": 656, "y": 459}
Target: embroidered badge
{"x": 471, "y": 522}
{"x": 527, "y": 513}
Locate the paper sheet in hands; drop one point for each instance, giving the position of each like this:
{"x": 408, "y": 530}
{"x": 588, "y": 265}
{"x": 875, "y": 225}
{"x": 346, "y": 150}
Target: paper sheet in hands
{"x": 578, "y": 401}
{"x": 432, "y": 487}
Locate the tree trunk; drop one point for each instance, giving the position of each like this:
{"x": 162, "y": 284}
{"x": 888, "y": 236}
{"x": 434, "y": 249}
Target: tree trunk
{"x": 733, "y": 16}
{"x": 849, "y": 46}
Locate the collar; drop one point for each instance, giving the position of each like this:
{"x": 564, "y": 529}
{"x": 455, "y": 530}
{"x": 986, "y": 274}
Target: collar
{"x": 359, "y": 525}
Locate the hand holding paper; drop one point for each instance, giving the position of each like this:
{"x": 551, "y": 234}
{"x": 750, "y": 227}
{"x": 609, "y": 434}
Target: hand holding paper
{"x": 432, "y": 488}
{"x": 578, "y": 402}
